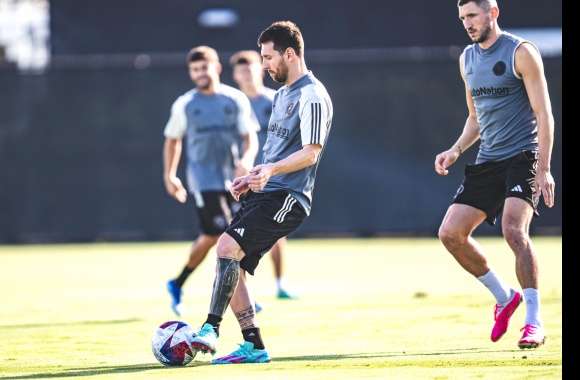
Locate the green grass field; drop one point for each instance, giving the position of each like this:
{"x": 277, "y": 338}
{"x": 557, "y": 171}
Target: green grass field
{"x": 368, "y": 309}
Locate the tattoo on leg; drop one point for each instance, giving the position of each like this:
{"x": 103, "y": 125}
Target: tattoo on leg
{"x": 246, "y": 318}
{"x": 227, "y": 274}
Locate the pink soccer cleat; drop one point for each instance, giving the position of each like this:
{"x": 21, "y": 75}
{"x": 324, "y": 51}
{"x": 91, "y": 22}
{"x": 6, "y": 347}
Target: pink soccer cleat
{"x": 502, "y": 315}
{"x": 533, "y": 337}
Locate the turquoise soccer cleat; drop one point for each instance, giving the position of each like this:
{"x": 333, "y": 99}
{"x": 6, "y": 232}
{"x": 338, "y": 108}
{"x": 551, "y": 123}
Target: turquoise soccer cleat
{"x": 283, "y": 294}
{"x": 205, "y": 340}
{"x": 246, "y": 353}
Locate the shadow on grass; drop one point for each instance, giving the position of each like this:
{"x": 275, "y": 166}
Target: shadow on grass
{"x": 76, "y": 323}
{"x": 394, "y": 354}
{"x": 103, "y": 370}
{"x": 106, "y": 370}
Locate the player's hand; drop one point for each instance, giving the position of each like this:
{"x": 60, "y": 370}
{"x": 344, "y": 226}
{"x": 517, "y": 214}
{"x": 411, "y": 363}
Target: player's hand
{"x": 259, "y": 176}
{"x": 545, "y": 186}
{"x": 175, "y": 189}
{"x": 445, "y": 160}
{"x": 239, "y": 187}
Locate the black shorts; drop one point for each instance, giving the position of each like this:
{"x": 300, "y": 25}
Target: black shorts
{"x": 262, "y": 220}
{"x": 487, "y": 185}
{"x": 215, "y": 210}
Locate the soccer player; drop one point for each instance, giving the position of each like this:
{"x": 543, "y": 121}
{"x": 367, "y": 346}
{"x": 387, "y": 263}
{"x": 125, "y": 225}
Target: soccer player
{"x": 276, "y": 195}
{"x": 510, "y": 112}
{"x": 214, "y": 117}
{"x": 248, "y": 74}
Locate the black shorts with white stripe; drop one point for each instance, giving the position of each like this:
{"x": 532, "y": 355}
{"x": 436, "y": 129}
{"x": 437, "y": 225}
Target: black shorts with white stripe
{"x": 487, "y": 185}
{"x": 263, "y": 219}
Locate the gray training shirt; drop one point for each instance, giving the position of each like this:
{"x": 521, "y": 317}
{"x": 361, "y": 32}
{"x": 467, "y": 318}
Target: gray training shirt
{"x": 301, "y": 115}
{"x": 214, "y": 125}
{"x": 507, "y": 124}
{"x": 262, "y": 107}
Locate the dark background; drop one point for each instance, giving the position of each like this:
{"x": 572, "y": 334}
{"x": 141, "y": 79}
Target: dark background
{"x": 81, "y": 144}
{"x": 112, "y": 26}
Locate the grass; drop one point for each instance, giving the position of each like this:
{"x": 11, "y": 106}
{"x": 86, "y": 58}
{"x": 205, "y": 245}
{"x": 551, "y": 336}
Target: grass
{"x": 368, "y": 309}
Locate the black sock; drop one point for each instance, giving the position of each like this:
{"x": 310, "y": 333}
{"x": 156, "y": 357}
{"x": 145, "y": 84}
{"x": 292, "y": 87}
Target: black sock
{"x": 183, "y": 276}
{"x": 215, "y": 321}
{"x": 252, "y": 335}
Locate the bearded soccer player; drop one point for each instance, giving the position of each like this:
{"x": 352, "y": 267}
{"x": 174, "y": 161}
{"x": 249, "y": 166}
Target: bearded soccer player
{"x": 276, "y": 195}
{"x": 213, "y": 118}
{"x": 510, "y": 113}
{"x": 248, "y": 74}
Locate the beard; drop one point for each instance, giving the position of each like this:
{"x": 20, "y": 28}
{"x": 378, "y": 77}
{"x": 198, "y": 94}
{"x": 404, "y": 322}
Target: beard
{"x": 483, "y": 36}
{"x": 203, "y": 83}
{"x": 281, "y": 74}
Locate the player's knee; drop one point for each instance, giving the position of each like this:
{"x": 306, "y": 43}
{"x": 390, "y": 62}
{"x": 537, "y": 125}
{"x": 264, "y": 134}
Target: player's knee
{"x": 228, "y": 247}
{"x": 515, "y": 234}
{"x": 451, "y": 237}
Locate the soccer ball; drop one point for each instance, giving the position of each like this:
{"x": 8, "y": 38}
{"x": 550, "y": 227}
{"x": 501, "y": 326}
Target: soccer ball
{"x": 171, "y": 344}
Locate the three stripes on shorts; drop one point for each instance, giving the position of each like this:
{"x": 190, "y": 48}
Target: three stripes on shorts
{"x": 286, "y": 208}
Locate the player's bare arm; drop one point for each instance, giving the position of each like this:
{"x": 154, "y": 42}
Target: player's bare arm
{"x": 468, "y": 137}
{"x": 249, "y": 151}
{"x": 299, "y": 160}
{"x": 171, "y": 157}
{"x": 259, "y": 175}
{"x": 530, "y": 67}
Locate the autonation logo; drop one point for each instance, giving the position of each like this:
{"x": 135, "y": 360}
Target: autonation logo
{"x": 490, "y": 91}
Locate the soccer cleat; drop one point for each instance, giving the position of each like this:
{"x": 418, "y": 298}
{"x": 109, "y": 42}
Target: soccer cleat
{"x": 502, "y": 315}
{"x": 533, "y": 337}
{"x": 175, "y": 293}
{"x": 205, "y": 340}
{"x": 284, "y": 295}
{"x": 246, "y": 353}
{"x": 258, "y": 307}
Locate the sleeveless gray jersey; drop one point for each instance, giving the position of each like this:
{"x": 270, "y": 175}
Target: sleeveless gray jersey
{"x": 214, "y": 125}
{"x": 507, "y": 124}
{"x": 301, "y": 115}
{"x": 262, "y": 107}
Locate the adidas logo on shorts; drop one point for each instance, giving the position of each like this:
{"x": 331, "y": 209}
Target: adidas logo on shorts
{"x": 517, "y": 189}
{"x": 240, "y": 231}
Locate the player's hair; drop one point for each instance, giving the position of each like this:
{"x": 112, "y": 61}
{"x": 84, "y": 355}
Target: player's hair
{"x": 284, "y": 35}
{"x": 245, "y": 57}
{"x": 483, "y": 4}
{"x": 202, "y": 53}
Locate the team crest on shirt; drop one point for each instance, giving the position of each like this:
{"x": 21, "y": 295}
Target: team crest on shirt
{"x": 499, "y": 68}
{"x": 290, "y": 108}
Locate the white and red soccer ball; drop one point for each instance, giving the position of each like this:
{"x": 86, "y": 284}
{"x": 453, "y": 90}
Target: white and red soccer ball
{"x": 171, "y": 344}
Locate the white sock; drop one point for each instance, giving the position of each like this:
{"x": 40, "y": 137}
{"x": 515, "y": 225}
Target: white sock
{"x": 532, "y": 298}
{"x": 279, "y": 283}
{"x": 497, "y": 287}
